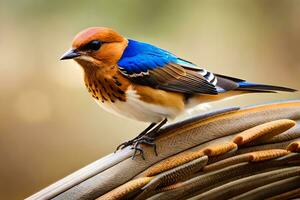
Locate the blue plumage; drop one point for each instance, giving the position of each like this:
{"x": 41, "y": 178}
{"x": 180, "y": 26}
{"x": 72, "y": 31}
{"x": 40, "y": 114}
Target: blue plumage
{"x": 262, "y": 87}
{"x": 246, "y": 84}
{"x": 140, "y": 57}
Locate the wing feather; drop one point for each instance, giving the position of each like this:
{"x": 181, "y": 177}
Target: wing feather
{"x": 172, "y": 79}
{"x": 149, "y": 65}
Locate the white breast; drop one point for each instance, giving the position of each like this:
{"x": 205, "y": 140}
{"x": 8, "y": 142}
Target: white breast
{"x": 139, "y": 110}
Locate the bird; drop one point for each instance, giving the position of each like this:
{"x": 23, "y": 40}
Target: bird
{"x": 141, "y": 81}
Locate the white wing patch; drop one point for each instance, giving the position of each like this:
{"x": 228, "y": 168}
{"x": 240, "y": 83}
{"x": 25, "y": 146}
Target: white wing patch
{"x": 134, "y": 75}
{"x": 209, "y": 76}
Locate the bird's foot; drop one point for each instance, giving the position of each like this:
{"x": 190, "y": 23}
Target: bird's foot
{"x": 125, "y": 144}
{"x": 143, "y": 140}
{"x": 131, "y": 142}
{"x": 145, "y": 137}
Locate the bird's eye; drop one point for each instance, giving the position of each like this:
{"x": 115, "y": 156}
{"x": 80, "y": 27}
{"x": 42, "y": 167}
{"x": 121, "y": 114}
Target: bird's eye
{"x": 94, "y": 45}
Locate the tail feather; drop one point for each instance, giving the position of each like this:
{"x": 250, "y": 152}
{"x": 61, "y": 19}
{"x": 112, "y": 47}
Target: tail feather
{"x": 256, "y": 87}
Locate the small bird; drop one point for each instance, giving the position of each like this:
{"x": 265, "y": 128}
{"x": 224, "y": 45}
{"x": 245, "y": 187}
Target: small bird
{"x": 140, "y": 81}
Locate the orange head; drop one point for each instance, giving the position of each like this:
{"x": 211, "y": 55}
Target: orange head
{"x": 98, "y": 46}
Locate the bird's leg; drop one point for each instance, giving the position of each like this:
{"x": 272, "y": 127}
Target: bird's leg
{"x": 130, "y": 142}
{"x": 155, "y": 130}
{"x": 148, "y": 139}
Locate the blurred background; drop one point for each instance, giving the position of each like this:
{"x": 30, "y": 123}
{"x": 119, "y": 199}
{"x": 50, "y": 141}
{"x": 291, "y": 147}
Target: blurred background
{"x": 50, "y": 126}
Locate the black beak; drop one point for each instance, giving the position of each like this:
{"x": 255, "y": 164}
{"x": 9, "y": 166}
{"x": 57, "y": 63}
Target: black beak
{"x": 72, "y": 53}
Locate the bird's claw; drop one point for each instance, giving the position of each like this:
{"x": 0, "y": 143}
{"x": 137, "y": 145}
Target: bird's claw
{"x": 146, "y": 137}
{"x": 143, "y": 140}
{"x": 136, "y": 150}
{"x": 135, "y": 143}
{"x": 124, "y": 145}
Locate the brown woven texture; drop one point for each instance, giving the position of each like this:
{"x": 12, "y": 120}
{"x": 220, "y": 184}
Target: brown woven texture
{"x": 237, "y": 153}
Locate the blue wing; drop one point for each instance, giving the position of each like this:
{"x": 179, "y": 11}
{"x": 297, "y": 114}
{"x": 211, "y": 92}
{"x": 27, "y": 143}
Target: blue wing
{"x": 140, "y": 57}
{"x": 149, "y": 65}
